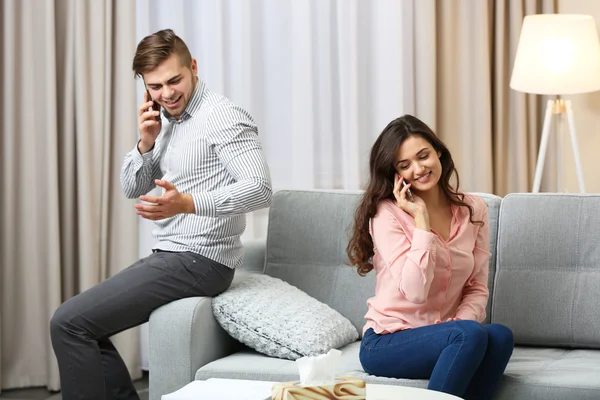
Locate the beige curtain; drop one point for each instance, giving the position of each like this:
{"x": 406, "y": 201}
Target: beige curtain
{"x": 68, "y": 117}
{"x": 463, "y": 56}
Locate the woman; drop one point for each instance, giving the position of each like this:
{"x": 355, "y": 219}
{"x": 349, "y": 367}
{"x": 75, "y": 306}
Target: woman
{"x": 430, "y": 252}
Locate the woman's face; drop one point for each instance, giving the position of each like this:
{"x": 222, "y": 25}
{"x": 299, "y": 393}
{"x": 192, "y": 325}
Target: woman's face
{"x": 418, "y": 163}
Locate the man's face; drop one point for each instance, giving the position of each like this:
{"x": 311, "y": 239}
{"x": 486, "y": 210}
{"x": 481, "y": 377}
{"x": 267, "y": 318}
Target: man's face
{"x": 171, "y": 84}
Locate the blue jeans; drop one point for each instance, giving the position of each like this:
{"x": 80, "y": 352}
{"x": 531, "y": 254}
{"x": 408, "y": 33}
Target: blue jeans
{"x": 463, "y": 358}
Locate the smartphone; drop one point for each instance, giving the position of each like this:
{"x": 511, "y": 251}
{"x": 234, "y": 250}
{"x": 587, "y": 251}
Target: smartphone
{"x": 408, "y": 193}
{"x": 155, "y": 105}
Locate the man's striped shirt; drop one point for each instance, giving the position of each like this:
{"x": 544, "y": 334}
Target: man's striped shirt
{"x": 213, "y": 153}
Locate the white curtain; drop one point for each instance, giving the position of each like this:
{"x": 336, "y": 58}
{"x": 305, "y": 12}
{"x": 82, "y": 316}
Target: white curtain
{"x": 321, "y": 78}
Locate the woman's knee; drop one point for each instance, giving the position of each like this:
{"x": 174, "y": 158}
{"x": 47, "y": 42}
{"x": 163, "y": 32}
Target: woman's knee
{"x": 474, "y": 332}
{"x": 500, "y": 335}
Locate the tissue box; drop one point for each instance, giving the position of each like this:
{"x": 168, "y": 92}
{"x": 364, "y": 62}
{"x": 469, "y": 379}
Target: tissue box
{"x": 344, "y": 388}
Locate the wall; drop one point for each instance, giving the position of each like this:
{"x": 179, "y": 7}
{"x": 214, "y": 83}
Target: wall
{"x": 586, "y": 110}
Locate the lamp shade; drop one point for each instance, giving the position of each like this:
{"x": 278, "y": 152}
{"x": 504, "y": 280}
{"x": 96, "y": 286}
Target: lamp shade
{"x": 557, "y": 54}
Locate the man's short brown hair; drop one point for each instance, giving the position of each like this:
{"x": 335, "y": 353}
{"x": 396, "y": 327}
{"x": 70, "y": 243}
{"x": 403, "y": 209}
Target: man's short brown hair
{"x": 156, "y": 48}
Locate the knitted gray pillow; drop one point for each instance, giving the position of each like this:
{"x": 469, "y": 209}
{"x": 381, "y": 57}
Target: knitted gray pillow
{"x": 279, "y": 320}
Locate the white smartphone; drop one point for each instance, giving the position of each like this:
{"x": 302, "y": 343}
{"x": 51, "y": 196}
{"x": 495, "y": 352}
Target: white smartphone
{"x": 408, "y": 193}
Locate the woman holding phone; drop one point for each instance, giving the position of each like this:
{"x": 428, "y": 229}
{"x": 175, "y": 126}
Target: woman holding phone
{"x": 430, "y": 255}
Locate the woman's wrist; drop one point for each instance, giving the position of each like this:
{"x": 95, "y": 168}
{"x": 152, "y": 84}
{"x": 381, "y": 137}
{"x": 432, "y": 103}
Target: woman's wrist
{"x": 422, "y": 221}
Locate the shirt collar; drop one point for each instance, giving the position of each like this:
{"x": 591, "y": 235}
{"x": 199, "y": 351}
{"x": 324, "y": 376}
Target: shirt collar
{"x": 193, "y": 105}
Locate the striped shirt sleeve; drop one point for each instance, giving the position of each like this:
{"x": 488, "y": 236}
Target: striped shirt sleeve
{"x": 139, "y": 172}
{"x": 233, "y": 134}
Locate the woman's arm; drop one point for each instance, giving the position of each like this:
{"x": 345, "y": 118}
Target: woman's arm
{"x": 411, "y": 264}
{"x": 475, "y": 291}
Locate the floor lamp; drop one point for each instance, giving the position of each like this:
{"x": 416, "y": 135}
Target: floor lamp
{"x": 557, "y": 54}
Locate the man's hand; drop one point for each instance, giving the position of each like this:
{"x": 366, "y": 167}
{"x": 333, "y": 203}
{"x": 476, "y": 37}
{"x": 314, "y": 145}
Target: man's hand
{"x": 148, "y": 125}
{"x": 168, "y": 205}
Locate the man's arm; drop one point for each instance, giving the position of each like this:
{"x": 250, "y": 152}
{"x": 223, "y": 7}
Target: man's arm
{"x": 139, "y": 172}
{"x": 235, "y": 139}
{"x": 142, "y": 165}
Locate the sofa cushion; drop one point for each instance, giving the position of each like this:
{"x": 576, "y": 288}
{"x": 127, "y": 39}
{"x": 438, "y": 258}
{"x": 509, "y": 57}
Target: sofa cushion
{"x": 248, "y": 364}
{"x": 548, "y": 269}
{"x": 279, "y": 320}
{"x": 551, "y": 374}
{"x": 532, "y": 373}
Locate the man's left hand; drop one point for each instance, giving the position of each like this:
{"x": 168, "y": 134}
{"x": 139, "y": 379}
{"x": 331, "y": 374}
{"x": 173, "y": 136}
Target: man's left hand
{"x": 169, "y": 204}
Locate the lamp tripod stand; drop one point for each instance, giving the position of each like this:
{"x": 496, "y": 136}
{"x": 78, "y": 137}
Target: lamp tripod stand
{"x": 558, "y": 107}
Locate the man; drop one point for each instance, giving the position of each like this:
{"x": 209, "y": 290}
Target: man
{"x": 205, "y": 155}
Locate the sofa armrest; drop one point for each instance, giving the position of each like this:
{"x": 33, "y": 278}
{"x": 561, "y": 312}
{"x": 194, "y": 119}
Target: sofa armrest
{"x": 254, "y": 256}
{"x": 183, "y": 336}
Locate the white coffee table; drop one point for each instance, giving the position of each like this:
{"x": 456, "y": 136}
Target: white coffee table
{"x": 235, "y": 389}
{"x": 387, "y": 392}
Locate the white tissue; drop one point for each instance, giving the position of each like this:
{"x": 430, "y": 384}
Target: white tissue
{"x": 319, "y": 370}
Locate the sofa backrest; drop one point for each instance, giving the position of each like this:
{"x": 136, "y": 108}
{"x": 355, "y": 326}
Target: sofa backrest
{"x": 306, "y": 246}
{"x": 306, "y": 242}
{"x": 547, "y": 287}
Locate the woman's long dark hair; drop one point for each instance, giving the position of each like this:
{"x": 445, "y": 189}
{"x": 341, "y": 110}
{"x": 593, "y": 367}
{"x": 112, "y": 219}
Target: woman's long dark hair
{"x": 381, "y": 181}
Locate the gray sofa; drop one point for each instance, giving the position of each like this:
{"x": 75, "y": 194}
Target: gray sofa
{"x": 544, "y": 285}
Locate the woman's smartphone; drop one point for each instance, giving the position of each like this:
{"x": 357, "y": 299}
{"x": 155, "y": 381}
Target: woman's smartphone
{"x": 408, "y": 193}
{"x": 155, "y": 105}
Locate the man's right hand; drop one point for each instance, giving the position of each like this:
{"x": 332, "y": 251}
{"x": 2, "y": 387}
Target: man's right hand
{"x": 148, "y": 125}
